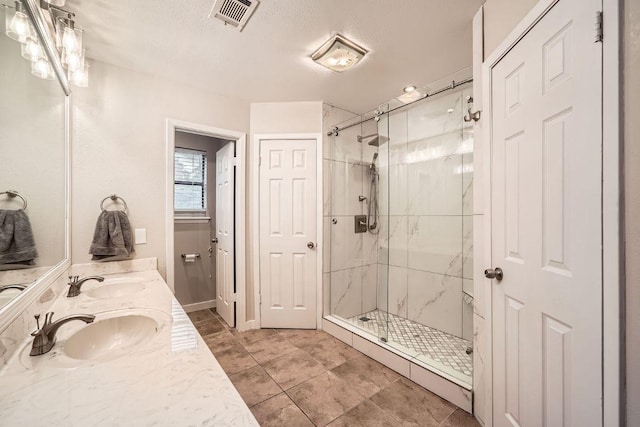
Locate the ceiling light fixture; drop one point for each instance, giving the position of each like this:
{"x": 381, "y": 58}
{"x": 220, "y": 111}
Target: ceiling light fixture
{"x": 68, "y": 40}
{"x": 411, "y": 93}
{"x": 339, "y": 54}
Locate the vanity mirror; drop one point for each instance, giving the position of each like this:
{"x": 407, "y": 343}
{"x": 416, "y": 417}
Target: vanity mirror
{"x": 34, "y": 132}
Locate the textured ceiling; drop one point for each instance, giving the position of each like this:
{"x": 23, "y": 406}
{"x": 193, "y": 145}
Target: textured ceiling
{"x": 410, "y": 41}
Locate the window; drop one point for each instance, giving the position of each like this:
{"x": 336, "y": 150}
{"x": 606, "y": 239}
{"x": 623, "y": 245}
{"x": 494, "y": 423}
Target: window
{"x": 190, "y": 181}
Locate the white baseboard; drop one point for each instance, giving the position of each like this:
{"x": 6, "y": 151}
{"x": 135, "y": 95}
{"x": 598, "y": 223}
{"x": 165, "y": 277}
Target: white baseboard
{"x": 188, "y": 308}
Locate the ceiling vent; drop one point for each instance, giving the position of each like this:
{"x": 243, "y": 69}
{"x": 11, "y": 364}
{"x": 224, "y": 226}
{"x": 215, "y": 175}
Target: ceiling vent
{"x": 234, "y": 12}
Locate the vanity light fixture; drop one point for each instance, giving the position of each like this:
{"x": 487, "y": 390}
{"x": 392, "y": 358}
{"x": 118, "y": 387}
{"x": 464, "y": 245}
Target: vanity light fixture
{"x": 339, "y": 54}
{"x": 68, "y": 41}
{"x": 17, "y": 23}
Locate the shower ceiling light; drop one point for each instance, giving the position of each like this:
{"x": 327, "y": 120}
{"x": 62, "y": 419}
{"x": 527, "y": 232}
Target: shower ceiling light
{"x": 339, "y": 54}
{"x": 409, "y": 89}
{"x": 412, "y": 95}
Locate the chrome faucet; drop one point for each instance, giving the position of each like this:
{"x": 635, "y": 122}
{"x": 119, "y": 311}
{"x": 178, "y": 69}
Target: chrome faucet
{"x": 6, "y": 287}
{"x": 45, "y": 337}
{"x": 75, "y": 283}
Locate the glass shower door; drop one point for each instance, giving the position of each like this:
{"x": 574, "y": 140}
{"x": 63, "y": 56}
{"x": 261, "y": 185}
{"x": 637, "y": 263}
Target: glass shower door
{"x": 381, "y": 169}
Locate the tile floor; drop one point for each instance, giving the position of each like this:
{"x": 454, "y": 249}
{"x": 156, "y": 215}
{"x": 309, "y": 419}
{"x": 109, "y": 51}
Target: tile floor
{"x": 308, "y": 378}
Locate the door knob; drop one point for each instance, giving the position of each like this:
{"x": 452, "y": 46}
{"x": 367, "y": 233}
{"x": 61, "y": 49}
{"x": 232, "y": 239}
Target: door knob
{"x": 494, "y": 273}
{"x": 311, "y": 245}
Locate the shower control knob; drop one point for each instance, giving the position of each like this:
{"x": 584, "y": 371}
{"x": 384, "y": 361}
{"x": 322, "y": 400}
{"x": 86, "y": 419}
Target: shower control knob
{"x": 494, "y": 273}
{"x": 311, "y": 245}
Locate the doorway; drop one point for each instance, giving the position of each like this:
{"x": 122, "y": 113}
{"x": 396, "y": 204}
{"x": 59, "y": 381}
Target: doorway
{"x": 205, "y": 226}
{"x": 196, "y": 214}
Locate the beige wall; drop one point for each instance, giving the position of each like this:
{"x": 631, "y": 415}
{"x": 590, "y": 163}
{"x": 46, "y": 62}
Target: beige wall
{"x": 118, "y": 146}
{"x": 500, "y": 18}
{"x": 631, "y": 91}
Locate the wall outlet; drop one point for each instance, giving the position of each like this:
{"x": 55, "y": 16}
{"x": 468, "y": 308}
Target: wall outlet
{"x": 140, "y": 236}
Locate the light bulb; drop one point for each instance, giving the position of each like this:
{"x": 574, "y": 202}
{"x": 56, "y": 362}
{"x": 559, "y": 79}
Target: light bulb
{"x": 32, "y": 50}
{"x": 69, "y": 40}
{"x": 17, "y": 24}
{"x": 41, "y": 68}
{"x": 73, "y": 60}
{"x": 80, "y": 77}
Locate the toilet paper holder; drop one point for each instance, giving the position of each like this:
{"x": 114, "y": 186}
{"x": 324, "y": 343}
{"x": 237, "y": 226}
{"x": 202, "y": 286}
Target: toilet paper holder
{"x": 184, "y": 256}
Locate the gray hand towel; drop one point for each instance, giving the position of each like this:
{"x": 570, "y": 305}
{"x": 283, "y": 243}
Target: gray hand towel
{"x": 112, "y": 238}
{"x": 16, "y": 238}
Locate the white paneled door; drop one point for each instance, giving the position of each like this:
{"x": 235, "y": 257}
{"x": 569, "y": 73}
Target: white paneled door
{"x": 225, "y": 233}
{"x": 546, "y": 121}
{"x": 288, "y": 255}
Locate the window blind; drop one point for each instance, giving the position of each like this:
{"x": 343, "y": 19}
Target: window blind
{"x": 190, "y": 180}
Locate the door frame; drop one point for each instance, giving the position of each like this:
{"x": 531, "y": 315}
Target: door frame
{"x": 240, "y": 139}
{"x": 612, "y": 203}
{"x": 255, "y": 222}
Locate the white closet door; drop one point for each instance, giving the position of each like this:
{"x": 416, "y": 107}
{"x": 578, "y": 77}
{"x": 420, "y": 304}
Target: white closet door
{"x": 288, "y": 256}
{"x": 546, "y": 120}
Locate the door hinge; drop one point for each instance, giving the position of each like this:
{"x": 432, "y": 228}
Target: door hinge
{"x": 599, "y": 28}
{"x": 234, "y": 161}
{"x": 234, "y": 297}
{"x": 260, "y": 161}
{"x": 259, "y": 299}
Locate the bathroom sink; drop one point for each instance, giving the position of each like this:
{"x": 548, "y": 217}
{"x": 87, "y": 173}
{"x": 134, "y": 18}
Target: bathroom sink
{"x": 111, "y": 338}
{"x": 116, "y": 289}
{"x": 113, "y": 334}
{"x": 118, "y": 280}
{"x": 8, "y": 295}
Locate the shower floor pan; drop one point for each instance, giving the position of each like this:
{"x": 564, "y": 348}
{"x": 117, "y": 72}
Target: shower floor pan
{"x": 435, "y": 345}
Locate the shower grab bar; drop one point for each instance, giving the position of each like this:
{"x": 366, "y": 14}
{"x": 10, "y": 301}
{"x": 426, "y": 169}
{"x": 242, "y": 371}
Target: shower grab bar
{"x": 12, "y": 194}
{"x": 454, "y": 84}
{"x": 114, "y": 198}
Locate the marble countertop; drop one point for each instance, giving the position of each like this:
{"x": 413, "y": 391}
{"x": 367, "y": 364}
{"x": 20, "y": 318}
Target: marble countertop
{"x": 170, "y": 379}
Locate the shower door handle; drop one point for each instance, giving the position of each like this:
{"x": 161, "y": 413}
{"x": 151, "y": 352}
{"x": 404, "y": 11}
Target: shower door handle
{"x": 311, "y": 245}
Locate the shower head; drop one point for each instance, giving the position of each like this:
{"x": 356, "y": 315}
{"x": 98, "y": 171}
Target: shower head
{"x": 376, "y": 139}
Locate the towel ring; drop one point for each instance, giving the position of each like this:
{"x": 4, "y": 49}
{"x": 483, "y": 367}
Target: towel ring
{"x": 114, "y": 198}
{"x": 12, "y": 193}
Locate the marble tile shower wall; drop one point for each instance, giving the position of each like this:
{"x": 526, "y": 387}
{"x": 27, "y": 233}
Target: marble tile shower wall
{"x": 426, "y": 190}
{"x": 350, "y": 259}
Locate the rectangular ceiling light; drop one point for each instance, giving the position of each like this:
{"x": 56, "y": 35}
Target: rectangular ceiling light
{"x": 339, "y": 54}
